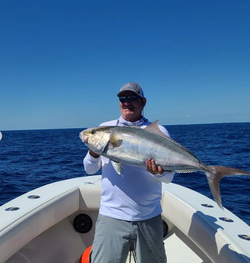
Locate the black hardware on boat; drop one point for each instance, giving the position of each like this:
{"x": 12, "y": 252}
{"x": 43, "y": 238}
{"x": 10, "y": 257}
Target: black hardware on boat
{"x": 33, "y": 196}
{"x": 226, "y": 219}
{"x": 165, "y": 228}
{"x": 82, "y": 223}
{"x": 12, "y": 208}
{"x": 207, "y": 205}
{"x": 245, "y": 237}
{"x": 132, "y": 253}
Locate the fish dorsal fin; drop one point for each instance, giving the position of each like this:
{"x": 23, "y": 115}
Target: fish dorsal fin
{"x": 154, "y": 128}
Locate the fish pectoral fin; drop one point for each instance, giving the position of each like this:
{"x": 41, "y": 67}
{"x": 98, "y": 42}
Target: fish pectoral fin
{"x": 118, "y": 167}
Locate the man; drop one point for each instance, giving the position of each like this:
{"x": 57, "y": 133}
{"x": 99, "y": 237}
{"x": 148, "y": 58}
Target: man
{"x": 130, "y": 210}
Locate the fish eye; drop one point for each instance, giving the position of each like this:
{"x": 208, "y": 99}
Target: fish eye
{"x": 93, "y": 131}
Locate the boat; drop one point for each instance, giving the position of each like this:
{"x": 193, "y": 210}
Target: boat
{"x": 55, "y": 223}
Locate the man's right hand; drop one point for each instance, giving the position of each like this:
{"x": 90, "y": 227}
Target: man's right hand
{"x": 93, "y": 154}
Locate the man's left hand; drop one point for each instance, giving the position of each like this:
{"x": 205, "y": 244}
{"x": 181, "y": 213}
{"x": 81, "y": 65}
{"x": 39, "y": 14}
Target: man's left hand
{"x": 153, "y": 168}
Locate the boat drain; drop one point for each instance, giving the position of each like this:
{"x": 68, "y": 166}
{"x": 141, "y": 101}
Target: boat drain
{"x": 33, "y": 196}
{"x": 226, "y": 219}
{"x": 245, "y": 237}
{"x": 12, "y": 208}
{"x": 82, "y": 223}
{"x": 207, "y": 205}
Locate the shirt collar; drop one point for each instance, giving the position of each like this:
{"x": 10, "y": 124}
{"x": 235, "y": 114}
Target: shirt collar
{"x": 122, "y": 122}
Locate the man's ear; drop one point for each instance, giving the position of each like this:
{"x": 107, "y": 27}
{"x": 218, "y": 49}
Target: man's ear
{"x": 144, "y": 101}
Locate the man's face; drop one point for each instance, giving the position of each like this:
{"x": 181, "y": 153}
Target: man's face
{"x": 132, "y": 110}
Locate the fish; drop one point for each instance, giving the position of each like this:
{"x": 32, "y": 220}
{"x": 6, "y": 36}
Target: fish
{"x": 134, "y": 145}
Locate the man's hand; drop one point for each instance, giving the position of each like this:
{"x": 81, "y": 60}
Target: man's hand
{"x": 153, "y": 168}
{"x": 93, "y": 154}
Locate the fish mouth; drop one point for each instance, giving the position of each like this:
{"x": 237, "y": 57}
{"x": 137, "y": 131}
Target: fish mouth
{"x": 84, "y": 137}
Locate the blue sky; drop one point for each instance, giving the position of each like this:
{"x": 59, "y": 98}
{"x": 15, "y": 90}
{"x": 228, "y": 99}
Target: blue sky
{"x": 63, "y": 62}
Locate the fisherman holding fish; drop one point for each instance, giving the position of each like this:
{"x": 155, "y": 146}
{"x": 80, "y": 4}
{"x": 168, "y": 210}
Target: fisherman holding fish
{"x": 130, "y": 210}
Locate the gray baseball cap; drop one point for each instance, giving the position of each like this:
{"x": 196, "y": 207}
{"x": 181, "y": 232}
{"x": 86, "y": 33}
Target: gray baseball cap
{"x": 132, "y": 86}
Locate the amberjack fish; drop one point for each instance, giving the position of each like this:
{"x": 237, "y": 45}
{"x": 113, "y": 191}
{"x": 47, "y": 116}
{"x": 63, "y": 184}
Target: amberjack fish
{"x": 133, "y": 146}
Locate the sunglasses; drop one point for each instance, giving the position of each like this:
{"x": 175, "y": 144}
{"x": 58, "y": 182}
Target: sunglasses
{"x": 128, "y": 98}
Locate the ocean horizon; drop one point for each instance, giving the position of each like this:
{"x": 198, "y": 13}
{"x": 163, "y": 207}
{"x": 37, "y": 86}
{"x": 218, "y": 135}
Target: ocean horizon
{"x": 33, "y": 158}
{"x": 165, "y": 125}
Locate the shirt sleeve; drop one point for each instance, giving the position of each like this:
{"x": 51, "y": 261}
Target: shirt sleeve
{"x": 167, "y": 177}
{"x": 91, "y": 164}
{"x": 164, "y": 130}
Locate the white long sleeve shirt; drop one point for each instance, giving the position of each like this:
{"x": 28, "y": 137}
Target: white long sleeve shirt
{"x": 134, "y": 196}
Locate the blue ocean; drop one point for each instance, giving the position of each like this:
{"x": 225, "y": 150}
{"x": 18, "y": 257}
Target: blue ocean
{"x": 33, "y": 158}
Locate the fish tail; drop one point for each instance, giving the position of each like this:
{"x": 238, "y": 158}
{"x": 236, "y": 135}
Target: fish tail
{"x": 215, "y": 174}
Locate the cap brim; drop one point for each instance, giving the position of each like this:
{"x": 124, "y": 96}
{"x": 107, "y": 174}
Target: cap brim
{"x": 124, "y": 91}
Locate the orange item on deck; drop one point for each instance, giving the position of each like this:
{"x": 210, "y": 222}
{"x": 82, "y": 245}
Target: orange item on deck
{"x": 85, "y": 255}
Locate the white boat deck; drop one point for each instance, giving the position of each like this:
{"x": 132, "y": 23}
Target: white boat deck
{"x": 41, "y": 229}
